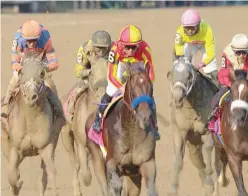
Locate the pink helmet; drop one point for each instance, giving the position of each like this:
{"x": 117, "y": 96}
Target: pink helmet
{"x": 190, "y": 18}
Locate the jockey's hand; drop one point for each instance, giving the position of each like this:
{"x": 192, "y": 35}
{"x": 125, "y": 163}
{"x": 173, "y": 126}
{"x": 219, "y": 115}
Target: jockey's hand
{"x": 17, "y": 67}
{"x": 200, "y": 65}
{"x": 85, "y": 73}
{"x": 78, "y": 70}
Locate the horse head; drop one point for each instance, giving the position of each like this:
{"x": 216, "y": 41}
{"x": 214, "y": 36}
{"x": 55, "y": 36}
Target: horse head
{"x": 138, "y": 92}
{"x": 239, "y": 97}
{"x": 32, "y": 77}
{"x": 181, "y": 78}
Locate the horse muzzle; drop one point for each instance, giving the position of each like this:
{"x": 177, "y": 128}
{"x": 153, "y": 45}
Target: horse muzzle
{"x": 31, "y": 94}
{"x": 144, "y": 115}
{"x": 239, "y": 110}
{"x": 178, "y": 95}
{"x": 31, "y": 98}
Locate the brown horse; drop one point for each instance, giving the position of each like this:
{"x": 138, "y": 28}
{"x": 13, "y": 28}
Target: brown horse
{"x": 128, "y": 138}
{"x": 234, "y": 130}
{"x": 31, "y": 128}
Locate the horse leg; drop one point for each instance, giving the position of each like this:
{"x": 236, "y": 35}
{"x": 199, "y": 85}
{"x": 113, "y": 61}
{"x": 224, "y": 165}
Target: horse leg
{"x": 131, "y": 185}
{"x": 14, "y": 173}
{"x": 83, "y": 156}
{"x": 207, "y": 148}
{"x": 5, "y": 144}
{"x": 68, "y": 142}
{"x": 148, "y": 172}
{"x": 223, "y": 179}
{"x": 235, "y": 164}
{"x": 113, "y": 179}
{"x": 195, "y": 154}
{"x": 99, "y": 168}
{"x": 179, "y": 151}
{"x": 47, "y": 155}
{"x": 42, "y": 179}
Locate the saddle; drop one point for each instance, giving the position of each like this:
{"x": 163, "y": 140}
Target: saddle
{"x": 98, "y": 137}
{"x": 214, "y": 124}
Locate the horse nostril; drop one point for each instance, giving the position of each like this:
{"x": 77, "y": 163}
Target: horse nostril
{"x": 34, "y": 97}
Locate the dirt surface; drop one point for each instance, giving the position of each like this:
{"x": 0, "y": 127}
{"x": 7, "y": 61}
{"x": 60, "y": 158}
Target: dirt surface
{"x": 69, "y": 31}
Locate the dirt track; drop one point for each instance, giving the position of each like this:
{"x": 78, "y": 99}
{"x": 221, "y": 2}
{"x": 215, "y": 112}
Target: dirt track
{"x": 68, "y": 31}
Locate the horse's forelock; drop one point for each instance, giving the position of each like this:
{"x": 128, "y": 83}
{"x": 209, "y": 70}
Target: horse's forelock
{"x": 240, "y": 75}
{"x": 181, "y": 69}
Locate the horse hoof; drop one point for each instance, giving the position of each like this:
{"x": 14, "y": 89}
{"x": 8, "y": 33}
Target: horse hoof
{"x": 223, "y": 182}
{"x": 77, "y": 194}
{"x": 87, "y": 178}
{"x": 172, "y": 194}
{"x": 209, "y": 189}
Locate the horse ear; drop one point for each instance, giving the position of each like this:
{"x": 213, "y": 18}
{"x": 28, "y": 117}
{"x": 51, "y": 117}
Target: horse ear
{"x": 147, "y": 68}
{"x": 232, "y": 74}
{"x": 41, "y": 55}
{"x": 19, "y": 73}
{"x": 169, "y": 75}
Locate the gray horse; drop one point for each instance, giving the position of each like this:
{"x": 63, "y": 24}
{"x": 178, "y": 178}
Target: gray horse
{"x": 32, "y": 128}
{"x": 190, "y": 107}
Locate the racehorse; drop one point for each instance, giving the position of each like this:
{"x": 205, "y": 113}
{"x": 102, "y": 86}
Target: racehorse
{"x": 73, "y": 134}
{"x": 191, "y": 94}
{"x": 233, "y": 146}
{"x": 128, "y": 138}
{"x": 31, "y": 128}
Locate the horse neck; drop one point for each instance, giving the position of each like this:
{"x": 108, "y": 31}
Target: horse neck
{"x": 196, "y": 94}
{"x": 128, "y": 118}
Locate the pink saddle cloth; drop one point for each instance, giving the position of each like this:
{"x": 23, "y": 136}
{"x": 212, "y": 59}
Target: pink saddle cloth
{"x": 214, "y": 124}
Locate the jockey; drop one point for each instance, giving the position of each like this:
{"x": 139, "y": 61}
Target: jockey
{"x": 99, "y": 46}
{"x": 235, "y": 56}
{"x": 129, "y": 48}
{"x": 33, "y": 37}
{"x": 194, "y": 35}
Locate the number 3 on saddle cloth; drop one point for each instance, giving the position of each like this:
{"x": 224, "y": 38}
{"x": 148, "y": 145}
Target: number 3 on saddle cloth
{"x": 214, "y": 124}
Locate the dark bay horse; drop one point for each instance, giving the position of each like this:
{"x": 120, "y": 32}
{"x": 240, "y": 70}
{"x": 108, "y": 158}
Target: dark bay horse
{"x": 234, "y": 130}
{"x": 128, "y": 139}
{"x": 31, "y": 128}
{"x": 190, "y": 106}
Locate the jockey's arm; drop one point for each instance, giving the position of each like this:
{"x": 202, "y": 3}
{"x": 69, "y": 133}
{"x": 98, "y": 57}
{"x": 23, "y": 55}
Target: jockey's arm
{"x": 82, "y": 60}
{"x": 15, "y": 55}
{"x": 113, "y": 60}
{"x": 224, "y": 73}
{"x": 52, "y": 61}
{"x": 147, "y": 56}
{"x": 179, "y": 44}
{"x": 209, "y": 46}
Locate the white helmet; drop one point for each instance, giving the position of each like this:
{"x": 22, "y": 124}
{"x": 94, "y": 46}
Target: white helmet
{"x": 240, "y": 42}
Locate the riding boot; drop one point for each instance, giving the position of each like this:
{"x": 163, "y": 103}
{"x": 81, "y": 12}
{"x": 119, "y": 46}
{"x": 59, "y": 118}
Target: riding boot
{"x": 104, "y": 104}
{"x": 55, "y": 102}
{"x": 214, "y": 77}
{"x": 76, "y": 93}
{"x": 156, "y": 132}
{"x": 13, "y": 84}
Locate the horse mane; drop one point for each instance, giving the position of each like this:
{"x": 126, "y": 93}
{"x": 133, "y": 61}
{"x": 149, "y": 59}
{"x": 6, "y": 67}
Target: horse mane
{"x": 240, "y": 74}
{"x": 207, "y": 80}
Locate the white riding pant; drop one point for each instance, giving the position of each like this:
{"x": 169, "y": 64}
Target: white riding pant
{"x": 111, "y": 89}
{"x": 191, "y": 49}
